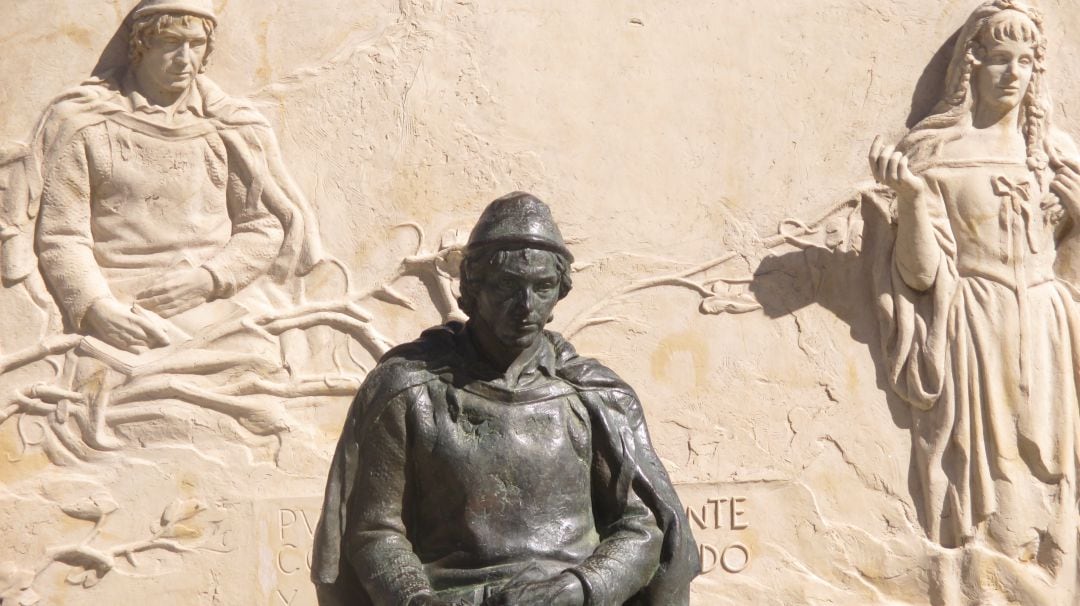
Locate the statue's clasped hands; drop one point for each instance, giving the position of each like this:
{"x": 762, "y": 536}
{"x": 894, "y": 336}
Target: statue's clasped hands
{"x": 178, "y": 292}
{"x": 123, "y": 327}
{"x": 890, "y": 168}
{"x": 131, "y": 329}
{"x": 562, "y": 590}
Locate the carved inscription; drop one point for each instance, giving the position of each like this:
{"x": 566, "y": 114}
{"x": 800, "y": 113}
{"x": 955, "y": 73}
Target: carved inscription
{"x": 713, "y": 520}
{"x": 286, "y": 531}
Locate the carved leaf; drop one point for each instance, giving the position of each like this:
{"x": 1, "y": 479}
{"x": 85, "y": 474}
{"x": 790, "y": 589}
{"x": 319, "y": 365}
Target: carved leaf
{"x": 86, "y": 578}
{"x": 91, "y": 508}
{"x": 721, "y": 304}
{"x": 182, "y": 531}
{"x": 105, "y": 502}
{"x": 81, "y": 556}
{"x": 84, "y": 509}
{"x": 180, "y": 510}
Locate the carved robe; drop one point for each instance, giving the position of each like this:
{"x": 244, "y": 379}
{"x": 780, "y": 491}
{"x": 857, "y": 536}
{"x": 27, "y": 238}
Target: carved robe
{"x": 990, "y": 358}
{"x": 446, "y": 481}
{"x": 116, "y": 195}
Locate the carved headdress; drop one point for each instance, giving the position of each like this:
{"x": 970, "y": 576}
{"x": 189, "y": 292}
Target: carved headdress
{"x": 201, "y": 8}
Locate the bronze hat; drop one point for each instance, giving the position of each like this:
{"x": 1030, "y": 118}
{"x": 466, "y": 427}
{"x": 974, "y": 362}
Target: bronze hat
{"x": 518, "y": 220}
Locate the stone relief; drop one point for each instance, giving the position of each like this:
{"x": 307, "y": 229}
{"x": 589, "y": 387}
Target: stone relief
{"x": 970, "y": 244}
{"x": 823, "y": 262}
{"x": 153, "y": 222}
{"x": 982, "y": 332}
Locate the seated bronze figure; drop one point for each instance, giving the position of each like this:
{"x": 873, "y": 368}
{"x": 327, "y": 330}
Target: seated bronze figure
{"x": 487, "y": 463}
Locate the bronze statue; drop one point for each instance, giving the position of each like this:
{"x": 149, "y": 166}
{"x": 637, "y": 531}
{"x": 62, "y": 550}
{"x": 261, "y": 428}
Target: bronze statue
{"x": 486, "y": 463}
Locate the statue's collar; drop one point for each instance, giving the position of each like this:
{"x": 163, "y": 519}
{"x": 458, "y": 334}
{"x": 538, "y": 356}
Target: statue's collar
{"x": 191, "y": 102}
{"x": 471, "y": 366}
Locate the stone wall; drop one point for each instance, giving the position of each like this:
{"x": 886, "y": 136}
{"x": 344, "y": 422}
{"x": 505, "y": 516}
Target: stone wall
{"x": 670, "y": 139}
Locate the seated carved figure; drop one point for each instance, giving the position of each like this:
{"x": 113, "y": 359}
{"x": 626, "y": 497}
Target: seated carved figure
{"x": 160, "y": 193}
{"x": 163, "y": 220}
{"x": 488, "y": 463}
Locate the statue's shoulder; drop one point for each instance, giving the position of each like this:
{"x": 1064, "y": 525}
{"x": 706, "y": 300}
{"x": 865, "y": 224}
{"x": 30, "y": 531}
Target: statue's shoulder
{"x": 597, "y": 383}
{"x": 228, "y": 109}
{"x": 416, "y": 362}
{"x": 584, "y": 372}
{"x": 77, "y": 102}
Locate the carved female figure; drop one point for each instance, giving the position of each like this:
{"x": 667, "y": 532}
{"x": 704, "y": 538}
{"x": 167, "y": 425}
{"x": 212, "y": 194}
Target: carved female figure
{"x": 982, "y": 334}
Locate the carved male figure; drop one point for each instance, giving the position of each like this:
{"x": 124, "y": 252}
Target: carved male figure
{"x": 487, "y": 463}
{"x": 161, "y": 213}
{"x": 157, "y": 189}
{"x": 982, "y": 329}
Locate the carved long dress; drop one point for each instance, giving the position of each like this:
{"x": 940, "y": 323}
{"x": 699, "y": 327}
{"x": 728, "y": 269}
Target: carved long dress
{"x": 989, "y": 356}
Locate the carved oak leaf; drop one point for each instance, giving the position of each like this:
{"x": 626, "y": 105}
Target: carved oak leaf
{"x": 180, "y": 510}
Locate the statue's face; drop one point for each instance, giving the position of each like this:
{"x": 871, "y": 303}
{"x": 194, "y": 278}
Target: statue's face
{"x": 1005, "y": 70}
{"x": 517, "y": 296}
{"x": 174, "y": 57}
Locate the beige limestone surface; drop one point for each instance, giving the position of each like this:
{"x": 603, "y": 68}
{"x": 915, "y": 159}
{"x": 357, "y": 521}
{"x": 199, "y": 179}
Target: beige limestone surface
{"x": 706, "y": 161}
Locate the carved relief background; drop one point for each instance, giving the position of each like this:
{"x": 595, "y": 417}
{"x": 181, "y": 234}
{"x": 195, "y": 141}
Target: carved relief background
{"x": 707, "y": 163}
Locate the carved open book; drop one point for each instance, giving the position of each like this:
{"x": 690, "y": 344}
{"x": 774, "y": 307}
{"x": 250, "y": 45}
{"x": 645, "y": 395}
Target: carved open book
{"x": 127, "y": 362}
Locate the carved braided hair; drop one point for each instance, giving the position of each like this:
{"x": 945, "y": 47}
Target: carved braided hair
{"x": 142, "y": 30}
{"x": 1021, "y": 23}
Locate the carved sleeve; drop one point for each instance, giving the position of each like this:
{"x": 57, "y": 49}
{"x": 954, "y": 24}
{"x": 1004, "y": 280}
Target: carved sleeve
{"x": 629, "y": 551}
{"x": 922, "y": 227}
{"x": 64, "y": 238}
{"x": 256, "y": 233}
{"x": 378, "y": 549}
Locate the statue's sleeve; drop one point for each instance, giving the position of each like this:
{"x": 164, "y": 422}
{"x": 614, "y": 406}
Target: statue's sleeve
{"x": 64, "y": 238}
{"x": 914, "y": 323}
{"x": 629, "y": 552}
{"x": 257, "y": 233}
{"x": 381, "y": 555}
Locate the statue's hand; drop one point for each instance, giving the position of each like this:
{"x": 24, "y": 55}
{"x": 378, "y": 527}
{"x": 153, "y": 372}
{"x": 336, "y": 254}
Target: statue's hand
{"x": 890, "y": 168}
{"x": 108, "y": 320}
{"x": 1066, "y": 185}
{"x": 562, "y": 590}
{"x": 428, "y": 599}
{"x": 178, "y": 292}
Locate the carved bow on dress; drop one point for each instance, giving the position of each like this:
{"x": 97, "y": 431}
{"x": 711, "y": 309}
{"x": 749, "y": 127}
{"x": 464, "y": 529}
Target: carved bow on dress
{"x": 1016, "y": 202}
